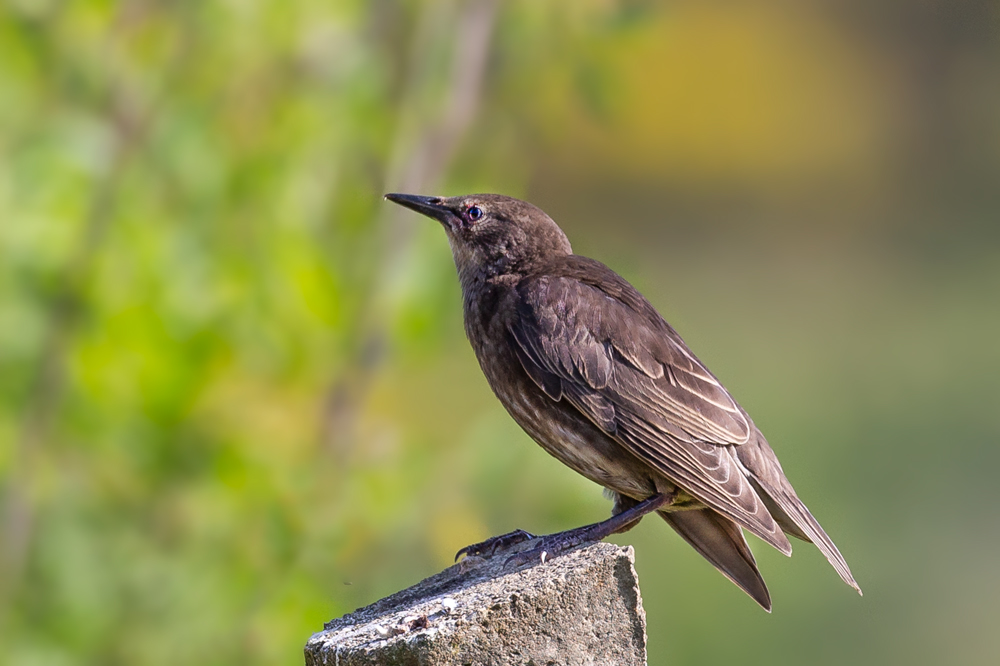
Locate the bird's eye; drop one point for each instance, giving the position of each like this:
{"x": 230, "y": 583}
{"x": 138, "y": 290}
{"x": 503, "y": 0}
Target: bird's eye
{"x": 474, "y": 212}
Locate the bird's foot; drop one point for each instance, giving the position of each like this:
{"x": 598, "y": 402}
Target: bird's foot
{"x": 554, "y": 545}
{"x": 498, "y": 543}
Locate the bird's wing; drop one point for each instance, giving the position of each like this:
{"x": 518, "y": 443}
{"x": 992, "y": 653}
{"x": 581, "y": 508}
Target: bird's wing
{"x": 613, "y": 358}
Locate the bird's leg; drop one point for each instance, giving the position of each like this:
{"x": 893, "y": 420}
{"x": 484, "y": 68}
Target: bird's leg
{"x": 623, "y": 503}
{"x": 554, "y": 545}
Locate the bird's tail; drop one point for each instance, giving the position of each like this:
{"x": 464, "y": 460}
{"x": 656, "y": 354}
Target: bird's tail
{"x": 721, "y": 542}
{"x": 785, "y": 506}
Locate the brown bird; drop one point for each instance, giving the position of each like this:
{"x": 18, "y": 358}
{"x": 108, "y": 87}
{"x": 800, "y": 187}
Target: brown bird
{"x": 593, "y": 373}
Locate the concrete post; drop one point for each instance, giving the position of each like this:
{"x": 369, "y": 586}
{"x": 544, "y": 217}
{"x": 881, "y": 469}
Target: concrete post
{"x": 581, "y": 608}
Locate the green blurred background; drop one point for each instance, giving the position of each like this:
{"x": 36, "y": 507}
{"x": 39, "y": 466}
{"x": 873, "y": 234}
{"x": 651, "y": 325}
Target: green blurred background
{"x": 235, "y": 395}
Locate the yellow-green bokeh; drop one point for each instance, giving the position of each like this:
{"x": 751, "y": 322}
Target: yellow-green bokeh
{"x": 235, "y": 396}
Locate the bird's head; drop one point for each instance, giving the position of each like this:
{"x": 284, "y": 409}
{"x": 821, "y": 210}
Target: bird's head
{"x": 491, "y": 234}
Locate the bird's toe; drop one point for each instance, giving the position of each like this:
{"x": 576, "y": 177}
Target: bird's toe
{"x": 491, "y": 546}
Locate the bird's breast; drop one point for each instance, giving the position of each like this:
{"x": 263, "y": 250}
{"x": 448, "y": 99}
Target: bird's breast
{"x": 556, "y": 426}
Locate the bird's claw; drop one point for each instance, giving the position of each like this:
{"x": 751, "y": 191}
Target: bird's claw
{"x": 489, "y": 547}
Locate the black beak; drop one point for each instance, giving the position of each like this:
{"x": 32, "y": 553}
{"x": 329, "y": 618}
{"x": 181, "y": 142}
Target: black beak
{"x": 430, "y": 206}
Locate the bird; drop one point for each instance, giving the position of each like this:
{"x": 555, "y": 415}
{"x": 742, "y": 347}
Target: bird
{"x": 596, "y": 376}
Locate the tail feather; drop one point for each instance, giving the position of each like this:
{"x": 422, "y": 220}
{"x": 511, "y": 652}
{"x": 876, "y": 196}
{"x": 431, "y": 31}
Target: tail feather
{"x": 784, "y": 521}
{"x": 795, "y": 511}
{"x": 721, "y": 542}
{"x": 785, "y": 506}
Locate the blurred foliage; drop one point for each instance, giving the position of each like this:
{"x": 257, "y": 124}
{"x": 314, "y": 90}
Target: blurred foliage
{"x": 235, "y": 398}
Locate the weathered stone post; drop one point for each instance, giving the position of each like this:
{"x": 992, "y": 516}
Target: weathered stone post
{"x": 581, "y": 608}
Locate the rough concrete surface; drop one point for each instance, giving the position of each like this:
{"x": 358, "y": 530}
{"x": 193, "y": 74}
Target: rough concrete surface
{"x": 581, "y": 608}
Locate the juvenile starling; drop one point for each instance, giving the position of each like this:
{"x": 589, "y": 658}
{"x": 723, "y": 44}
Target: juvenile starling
{"x": 593, "y": 373}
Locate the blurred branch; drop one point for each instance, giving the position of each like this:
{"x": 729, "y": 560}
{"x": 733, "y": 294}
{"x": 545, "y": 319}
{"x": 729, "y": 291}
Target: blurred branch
{"x": 421, "y": 153}
{"x": 424, "y": 146}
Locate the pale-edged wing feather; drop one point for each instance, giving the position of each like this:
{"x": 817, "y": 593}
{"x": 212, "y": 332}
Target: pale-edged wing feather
{"x": 606, "y": 350}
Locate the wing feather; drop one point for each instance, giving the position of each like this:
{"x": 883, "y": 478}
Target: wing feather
{"x": 628, "y": 372}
